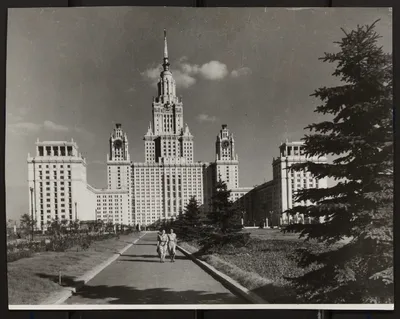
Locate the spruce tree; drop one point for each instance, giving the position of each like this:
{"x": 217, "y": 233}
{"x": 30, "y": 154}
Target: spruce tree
{"x": 192, "y": 214}
{"x": 359, "y": 208}
{"x": 225, "y": 216}
{"x": 27, "y": 224}
{"x": 189, "y": 225}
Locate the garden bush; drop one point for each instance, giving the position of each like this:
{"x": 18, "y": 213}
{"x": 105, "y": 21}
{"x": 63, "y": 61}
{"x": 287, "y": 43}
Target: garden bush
{"x": 62, "y": 237}
{"x": 214, "y": 242}
{"x": 16, "y": 255}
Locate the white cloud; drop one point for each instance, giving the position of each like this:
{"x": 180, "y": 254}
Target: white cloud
{"x": 189, "y": 68}
{"x": 241, "y": 72}
{"x": 84, "y": 133}
{"x": 152, "y": 74}
{"x": 13, "y": 118}
{"x": 26, "y": 128}
{"x": 213, "y": 70}
{"x": 206, "y": 118}
{"x": 185, "y": 73}
{"x": 183, "y": 80}
{"x": 51, "y": 126}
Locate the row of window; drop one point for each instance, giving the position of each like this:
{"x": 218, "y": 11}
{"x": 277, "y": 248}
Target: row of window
{"x": 55, "y": 193}
{"x": 55, "y": 172}
{"x": 55, "y": 151}
{"x": 183, "y": 170}
{"x": 110, "y": 196}
{"x": 49, "y": 211}
{"x": 54, "y": 166}
{"x": 55, "y": 184}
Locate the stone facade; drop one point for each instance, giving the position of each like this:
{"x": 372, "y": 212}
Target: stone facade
{"x": 270, "y": 200}
{"x": 57, "y": 183}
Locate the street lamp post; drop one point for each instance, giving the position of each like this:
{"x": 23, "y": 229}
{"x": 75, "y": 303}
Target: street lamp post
{"x": 76, "y": 211}
{"x": 31, "y": 189}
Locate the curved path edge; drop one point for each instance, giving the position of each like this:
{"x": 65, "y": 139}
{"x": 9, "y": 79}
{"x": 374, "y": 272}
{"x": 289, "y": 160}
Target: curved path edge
{"x": 61, "y": 296}
{"x": 227, "y": 281}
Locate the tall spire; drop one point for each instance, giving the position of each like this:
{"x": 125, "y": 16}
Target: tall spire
{"x": 166, "y": 63}
{"x": 165, "y": 45}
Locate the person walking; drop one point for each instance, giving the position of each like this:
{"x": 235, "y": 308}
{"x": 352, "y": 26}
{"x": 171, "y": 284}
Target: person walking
{"x": 172, "y": 241}
{"x": 162, "y": 240}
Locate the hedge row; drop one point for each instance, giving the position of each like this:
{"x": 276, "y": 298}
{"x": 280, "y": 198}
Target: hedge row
{"x": 58, "y": 243}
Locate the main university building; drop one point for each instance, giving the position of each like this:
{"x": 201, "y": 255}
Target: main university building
{"x": 160, "y": 187}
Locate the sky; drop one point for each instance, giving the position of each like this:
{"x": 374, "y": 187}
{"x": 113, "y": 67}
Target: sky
{"x": 76, "y": 72}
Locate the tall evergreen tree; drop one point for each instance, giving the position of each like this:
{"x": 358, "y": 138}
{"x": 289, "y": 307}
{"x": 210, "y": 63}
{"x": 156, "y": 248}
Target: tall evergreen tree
{"x": 224, "y": 215}
{"x": 188, "y": 223}
{"x": 192, "y": 214}
{"x": 359, "y": 207}
{"x": 27, "y": 224}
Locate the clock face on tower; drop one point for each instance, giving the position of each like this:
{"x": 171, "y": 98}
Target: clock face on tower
{"x": 225, "y": 144}
{"x": 118, "y": 144}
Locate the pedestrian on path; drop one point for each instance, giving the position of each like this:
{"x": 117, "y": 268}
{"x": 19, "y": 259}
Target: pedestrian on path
{"x": 172, "y": 241}
{"x": 162, "y": 240}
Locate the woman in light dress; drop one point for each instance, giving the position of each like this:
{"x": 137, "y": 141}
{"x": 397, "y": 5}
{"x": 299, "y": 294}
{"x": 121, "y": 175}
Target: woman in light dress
{"x": 172, "y": 245}
{"x": 162, "y": 244}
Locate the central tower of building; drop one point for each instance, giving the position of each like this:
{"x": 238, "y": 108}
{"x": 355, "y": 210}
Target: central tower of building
{"x": 167, "y": 139}
{"x": 169, "y": 177}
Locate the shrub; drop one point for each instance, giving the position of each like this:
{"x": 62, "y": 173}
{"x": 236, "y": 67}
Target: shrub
{"x": 215, "y": 242}
{"x": 13, "y": 256}
{"x": 62, "y": 237}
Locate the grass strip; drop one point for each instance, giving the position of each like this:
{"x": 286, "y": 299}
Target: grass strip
{"x": 33, "y": 279}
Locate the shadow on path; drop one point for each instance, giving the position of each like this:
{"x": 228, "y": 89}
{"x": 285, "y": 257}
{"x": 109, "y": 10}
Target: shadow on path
{"x": 66, "y": 281}
{"x": 129, "y": 295}
{"x": 278, "y": 295}
{"x": 154, "y": 256}
{"x": 140, "y": 260}
{"x": 146, "y": 245}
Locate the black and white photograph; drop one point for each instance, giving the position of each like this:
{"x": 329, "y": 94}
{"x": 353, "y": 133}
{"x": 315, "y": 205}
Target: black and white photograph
{"x": 199, "y": 158}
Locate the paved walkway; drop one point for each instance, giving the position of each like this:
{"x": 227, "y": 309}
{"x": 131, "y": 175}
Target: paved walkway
{"x": 138, "y": 277}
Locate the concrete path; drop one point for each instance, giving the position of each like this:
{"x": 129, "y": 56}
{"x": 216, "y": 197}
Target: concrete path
{"x": 138, "y": 277}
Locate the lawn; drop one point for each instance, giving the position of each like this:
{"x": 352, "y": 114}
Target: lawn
{"x": 32, "y": 280}
{"x": 264, "y": 264}
{"x": 271, "y": 234}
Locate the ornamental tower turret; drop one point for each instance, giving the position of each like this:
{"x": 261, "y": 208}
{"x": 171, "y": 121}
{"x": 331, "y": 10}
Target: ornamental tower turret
{"x": 227, "y": 162}
{"x": 118, "y": 161}
{"x": 119, "y": 145}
